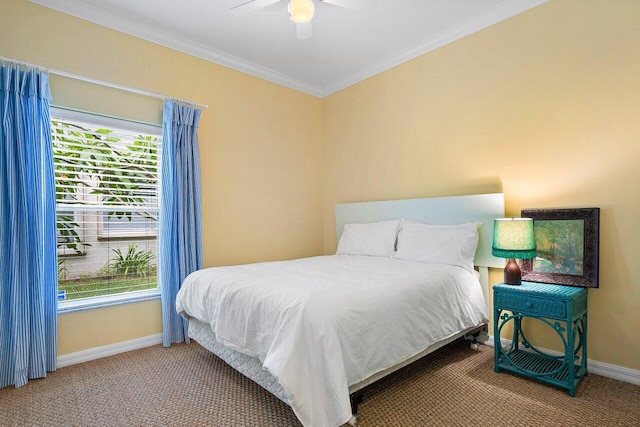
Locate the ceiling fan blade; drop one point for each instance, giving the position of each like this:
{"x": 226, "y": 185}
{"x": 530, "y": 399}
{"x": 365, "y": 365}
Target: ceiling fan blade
{"x": 240, "y": 7}
{"x": 278, "y": 7}
{"x": 303, "y": 31}
{"x": 354, "y": 4}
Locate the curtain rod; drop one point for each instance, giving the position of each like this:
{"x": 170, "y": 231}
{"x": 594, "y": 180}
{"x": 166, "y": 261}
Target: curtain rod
{"x": 101, "y": 82}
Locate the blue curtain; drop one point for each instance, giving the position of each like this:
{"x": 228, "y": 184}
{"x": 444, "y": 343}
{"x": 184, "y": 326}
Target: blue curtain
{"x": 180, "y": 243}
{"x": 28, "y": 270}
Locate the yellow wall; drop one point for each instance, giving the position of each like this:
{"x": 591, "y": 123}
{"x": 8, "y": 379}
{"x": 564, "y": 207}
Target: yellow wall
{"x": 544, "y": 106}
{"x": 82, "y": 330}
{"x": 260, "y": 147}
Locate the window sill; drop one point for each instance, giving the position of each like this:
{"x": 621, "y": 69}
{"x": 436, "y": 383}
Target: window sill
{"x": 106, "y": 301}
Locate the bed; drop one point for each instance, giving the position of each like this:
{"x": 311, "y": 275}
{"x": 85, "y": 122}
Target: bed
{"x": 316, "y": 331}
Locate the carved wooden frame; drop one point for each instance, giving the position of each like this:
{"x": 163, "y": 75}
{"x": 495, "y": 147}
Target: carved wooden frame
{"x": 590, "y": 258}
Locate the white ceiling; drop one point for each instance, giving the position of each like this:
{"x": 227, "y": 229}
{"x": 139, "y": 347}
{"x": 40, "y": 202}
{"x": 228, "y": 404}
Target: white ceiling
{"x": 347, "y": 46}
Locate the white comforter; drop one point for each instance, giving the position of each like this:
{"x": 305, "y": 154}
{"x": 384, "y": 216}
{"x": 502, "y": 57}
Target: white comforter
{"x": 321, "y": 324}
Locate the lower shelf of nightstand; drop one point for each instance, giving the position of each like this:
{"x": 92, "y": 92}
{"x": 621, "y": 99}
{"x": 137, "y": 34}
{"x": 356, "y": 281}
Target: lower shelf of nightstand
{"x": 541, "y": 367}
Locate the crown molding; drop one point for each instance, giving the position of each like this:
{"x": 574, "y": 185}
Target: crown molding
{"x": 167, "y": 39}
{"x": 155, "y": 35}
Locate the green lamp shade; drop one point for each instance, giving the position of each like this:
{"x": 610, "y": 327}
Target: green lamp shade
{"x": 514, "y": 238}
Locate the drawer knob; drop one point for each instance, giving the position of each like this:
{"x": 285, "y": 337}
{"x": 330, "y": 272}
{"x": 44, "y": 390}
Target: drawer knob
{"x": 528, "y": 304}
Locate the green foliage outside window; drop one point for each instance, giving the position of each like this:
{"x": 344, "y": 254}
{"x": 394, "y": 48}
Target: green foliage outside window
{"x": 81, "y": 154}
{"x": 116, "y": 172}
{"x": 133, "y": 262}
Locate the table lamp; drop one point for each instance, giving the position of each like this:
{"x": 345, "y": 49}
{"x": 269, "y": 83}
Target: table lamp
{"x": 513, "y": 238}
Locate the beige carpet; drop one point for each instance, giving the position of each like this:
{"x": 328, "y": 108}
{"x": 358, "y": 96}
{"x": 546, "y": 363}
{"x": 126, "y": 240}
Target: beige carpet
{"x": 187, "y": 386}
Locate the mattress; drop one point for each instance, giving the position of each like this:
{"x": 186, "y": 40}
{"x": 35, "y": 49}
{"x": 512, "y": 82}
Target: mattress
{"x": 335, "y": 321}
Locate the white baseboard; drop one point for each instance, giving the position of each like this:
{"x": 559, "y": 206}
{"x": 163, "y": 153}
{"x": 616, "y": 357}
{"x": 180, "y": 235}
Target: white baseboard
{"x": 620, "y": 373}
{"x": 107, "y": 350}
{"x": 593, "y": 366}
{"x": 612, "y": 371}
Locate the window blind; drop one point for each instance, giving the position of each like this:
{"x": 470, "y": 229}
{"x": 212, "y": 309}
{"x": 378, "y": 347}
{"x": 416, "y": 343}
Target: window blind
{"x": 107, "y": 189}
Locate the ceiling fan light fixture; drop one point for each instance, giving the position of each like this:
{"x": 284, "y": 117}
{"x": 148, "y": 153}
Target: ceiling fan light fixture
{"x": 301, "y": 11}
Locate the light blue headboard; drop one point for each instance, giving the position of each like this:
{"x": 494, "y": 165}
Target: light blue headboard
{"x": 437, "y": 210}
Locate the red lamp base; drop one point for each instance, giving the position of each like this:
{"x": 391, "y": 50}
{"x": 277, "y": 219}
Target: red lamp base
{"x": 512, "y": 275}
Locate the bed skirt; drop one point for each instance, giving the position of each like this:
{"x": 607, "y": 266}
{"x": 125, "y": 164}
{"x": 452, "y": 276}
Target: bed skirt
{"x": 251, "y": 367}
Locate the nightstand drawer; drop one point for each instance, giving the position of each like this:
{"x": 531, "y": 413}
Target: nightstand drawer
{"x": 531, "y": 305}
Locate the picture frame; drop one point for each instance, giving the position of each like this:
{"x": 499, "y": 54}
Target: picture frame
{"x": 567, "y": 245}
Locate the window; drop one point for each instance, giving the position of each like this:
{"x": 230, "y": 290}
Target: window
{"x": 107, "y": 191}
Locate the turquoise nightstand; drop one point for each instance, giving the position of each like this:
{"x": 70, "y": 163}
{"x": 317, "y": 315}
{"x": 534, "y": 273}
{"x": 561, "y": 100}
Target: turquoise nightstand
{"x": 563, "y": 309}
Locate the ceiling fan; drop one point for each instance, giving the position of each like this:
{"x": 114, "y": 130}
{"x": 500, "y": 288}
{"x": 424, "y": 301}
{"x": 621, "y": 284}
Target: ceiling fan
{"x": 300, "y": 11}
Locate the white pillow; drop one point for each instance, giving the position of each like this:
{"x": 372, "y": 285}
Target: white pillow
{"x": 439, "y": 244}
{"x": 373, "y": 239}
